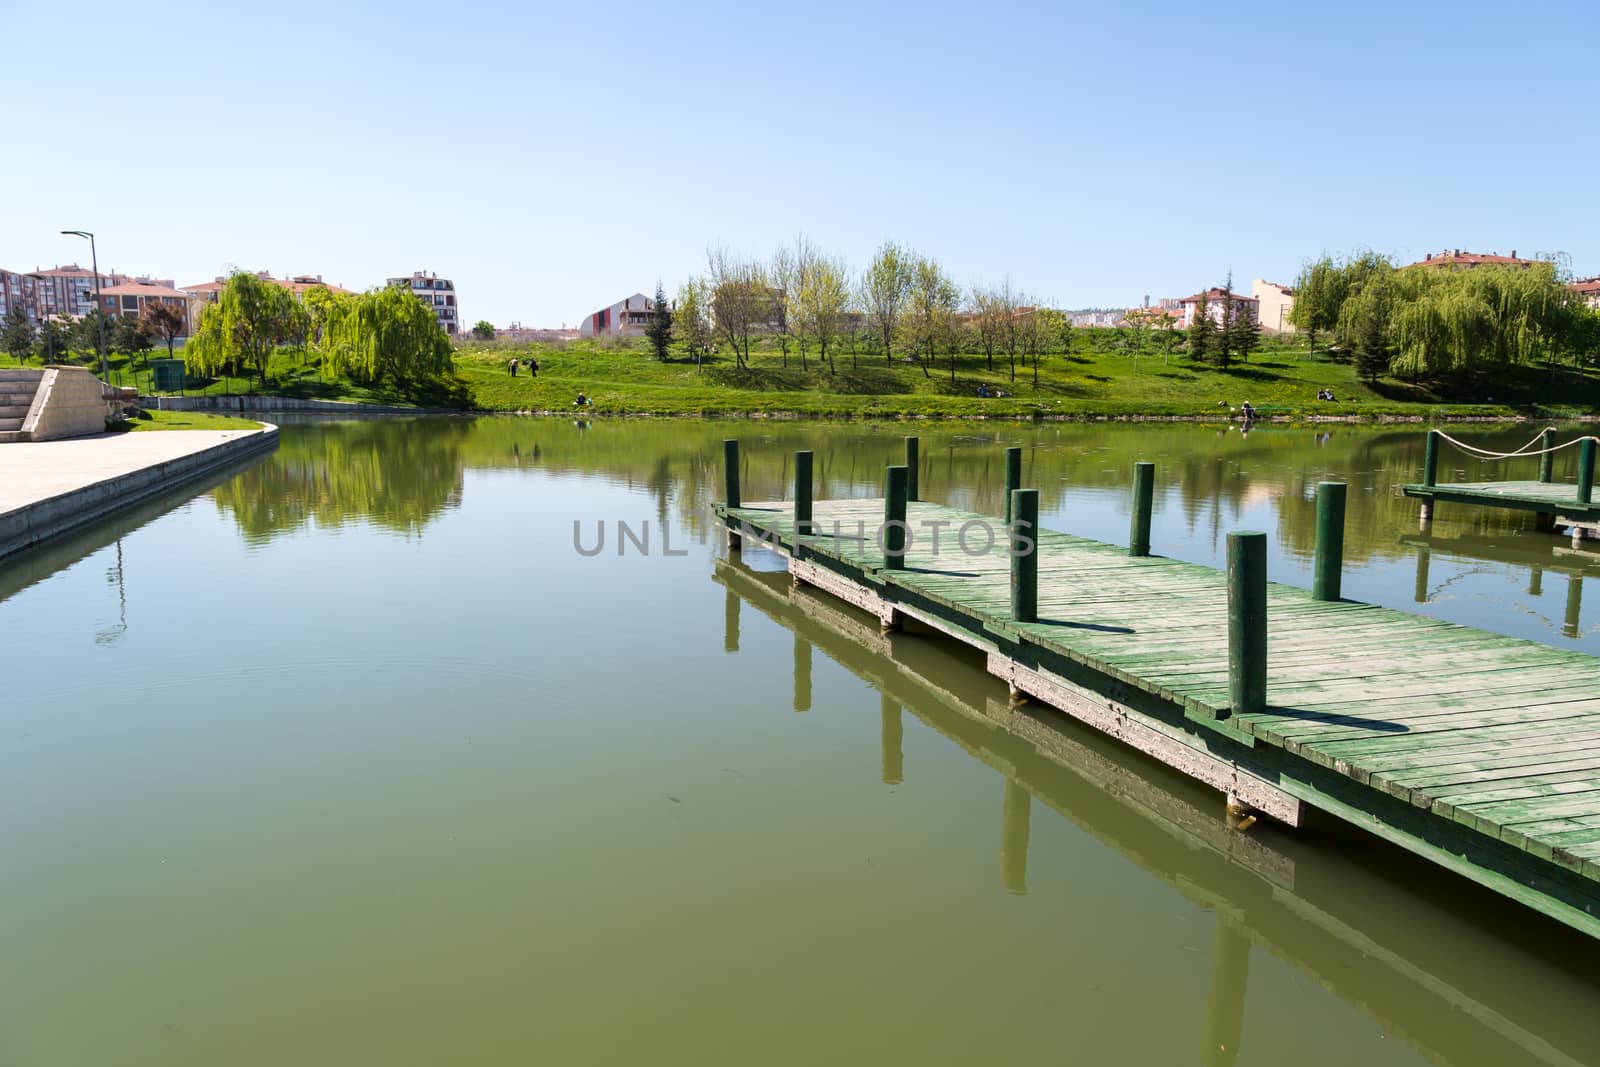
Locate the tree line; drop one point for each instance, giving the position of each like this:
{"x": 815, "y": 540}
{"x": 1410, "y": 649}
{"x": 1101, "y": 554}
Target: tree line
{"x": 54, "y": 340}
{"x": 812, "y": 303}
{"x": 1442, "y": 322}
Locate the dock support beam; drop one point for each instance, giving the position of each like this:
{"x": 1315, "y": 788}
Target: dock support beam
{"x": 911, "y": 468}
{"x": 1430, "y": 460}
{"x": 1024, "y": 533}
{"x": 802, "y": 497}
{"x": 1547, "y": 441}
{"x": 893, "y": 535}
{"x": 1144, "y": 490}
{"x": 1586, "y": 470}
{"x": 1013, "y": 477}
{"x": 1328, "y": 568}
{"x": 730, "y": 485}
{"x": 1247, "y": 622}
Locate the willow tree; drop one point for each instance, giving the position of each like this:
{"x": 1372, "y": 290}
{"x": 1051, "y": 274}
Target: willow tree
{"x": 251, "y": 317}
{"x": 387, "y": 335}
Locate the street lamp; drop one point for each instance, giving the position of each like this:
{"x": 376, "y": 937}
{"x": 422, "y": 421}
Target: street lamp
{"x": 99, "y": 307}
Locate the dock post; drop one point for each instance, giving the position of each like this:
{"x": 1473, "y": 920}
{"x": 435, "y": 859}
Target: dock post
{"x": 893, "y": 535}
{"x": 1569, "y": 622}
{"x": 1547, "y": 441}
{"x": 1328, "y": 568}
{"x": 1419, "y": 590}
{"x": 1013, "y": 477}
{"x": 1144, "y": 489}
{"x": 802, "y": 498}
{"x": 730, "y": 486}
{"x": 1586, "y": 470}
{"x": 1022, "y": 534}
{"x": 1247, "y": 622}
{"x": 911, "y": 468}
{"x": 1430, "y": 460}
{"x": 1015, "y": 815}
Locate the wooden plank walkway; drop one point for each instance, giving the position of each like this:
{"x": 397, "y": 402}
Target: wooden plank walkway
{"x": 1545, "y": 498}
{"x": 1478, "y": 751}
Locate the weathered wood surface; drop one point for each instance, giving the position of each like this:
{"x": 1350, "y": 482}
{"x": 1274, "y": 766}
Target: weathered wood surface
{"x": 1491, "y": 734}
{"x": 1547, "y": 497}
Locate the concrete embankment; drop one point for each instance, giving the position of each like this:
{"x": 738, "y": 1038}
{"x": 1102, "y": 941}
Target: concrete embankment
{"x": 50, "y": 488}
{"x": 249, "y": 404}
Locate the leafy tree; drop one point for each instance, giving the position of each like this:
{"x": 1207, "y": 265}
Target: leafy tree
{"x": 741, "y": 300}
{"x": 132, "y": 338}
{"x": 387, "y": 335}
{"x": 659, "y": 330}
{"x": 693, "y": 318}
{"x": 163, "y": 321}
{"x": 784, "y": 276}
{"x": 16, "y": 336}
{"x": 250, "y": 319}
{"x": 84, "y": 334}
{"x": 1202, "y": 331}
{"x": 885, "y": 288}
{"x": 483, "y": 330}
{"x": 52, "y": 343}
{"x": 1366, "y": 319}
{"x": 1245, "y": 330}
{"x": 988, "y": 321}
{"x": 934, "y": 300}
{"x": 823, "y": 293}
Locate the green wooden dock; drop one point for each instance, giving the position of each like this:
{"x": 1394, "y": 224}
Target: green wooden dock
{"x": 1554, "y": 502}
{"x": 1477, "y": 751}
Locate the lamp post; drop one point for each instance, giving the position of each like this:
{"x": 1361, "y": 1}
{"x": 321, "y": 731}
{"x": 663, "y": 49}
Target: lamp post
{"x": 99, "y": 307}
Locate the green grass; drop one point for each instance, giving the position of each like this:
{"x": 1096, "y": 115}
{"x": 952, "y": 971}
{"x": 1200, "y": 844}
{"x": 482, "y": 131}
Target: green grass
{"x": 1102, "y": 378}
{"x": 1105, "y": 382}
{"x": 153, "y": 421}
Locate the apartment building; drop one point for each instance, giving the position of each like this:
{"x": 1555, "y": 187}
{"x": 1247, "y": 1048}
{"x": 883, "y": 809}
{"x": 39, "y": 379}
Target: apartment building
{"x": 626, "y": 318}
{"x": 1455, "y": 259}
{"x": 20, "y": 291}
{"x": 1219, "y": 302}
{"x": 67, "y": 290}
{"x": 1274, "y": 302}
{"x": 438, "y": 293}
{"x": 130, "y": 296}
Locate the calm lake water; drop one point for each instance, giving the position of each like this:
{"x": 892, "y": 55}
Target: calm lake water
{"x": 350, "y": 757}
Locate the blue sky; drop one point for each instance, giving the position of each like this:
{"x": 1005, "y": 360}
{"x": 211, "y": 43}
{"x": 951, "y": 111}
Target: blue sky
{"x": 552, "y": 159}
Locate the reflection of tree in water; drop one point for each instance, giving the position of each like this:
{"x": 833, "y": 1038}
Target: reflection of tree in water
{"x": 400, "y": 473}
{"x": 396, "y": 474}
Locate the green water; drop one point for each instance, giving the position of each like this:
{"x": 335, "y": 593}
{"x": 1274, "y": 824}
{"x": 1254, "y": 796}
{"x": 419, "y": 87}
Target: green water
{"x": 350, "y": 757}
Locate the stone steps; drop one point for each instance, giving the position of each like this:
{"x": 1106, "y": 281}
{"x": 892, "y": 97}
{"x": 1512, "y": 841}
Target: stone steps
{"x": 9, "y": 425}
{"x": 12, "y": 437}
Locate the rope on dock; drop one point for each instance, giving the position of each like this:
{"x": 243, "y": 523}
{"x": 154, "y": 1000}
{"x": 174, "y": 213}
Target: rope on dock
{"x": 1525, "y": 450}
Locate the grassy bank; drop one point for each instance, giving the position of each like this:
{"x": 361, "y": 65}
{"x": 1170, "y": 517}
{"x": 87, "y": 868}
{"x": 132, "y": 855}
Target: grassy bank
{"x": 153, "y": 421}
{"x": 1102, "y": 378}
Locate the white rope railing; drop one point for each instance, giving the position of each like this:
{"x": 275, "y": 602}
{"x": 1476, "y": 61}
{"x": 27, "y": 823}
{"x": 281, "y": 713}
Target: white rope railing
{"x": 1525, "y": 450}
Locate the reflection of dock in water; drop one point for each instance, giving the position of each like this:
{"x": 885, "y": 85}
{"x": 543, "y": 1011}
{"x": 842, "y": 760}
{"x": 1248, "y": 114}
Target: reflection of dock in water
{"x": 1539, "y": 555}
{"x": 1419, "y": 972}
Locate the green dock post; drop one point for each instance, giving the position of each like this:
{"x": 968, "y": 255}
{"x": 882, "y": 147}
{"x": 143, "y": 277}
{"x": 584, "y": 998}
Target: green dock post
{"x": 1247, "y": 622}
{"x": 911, "y": 468}
{"x": 1013, "y": 477}
{"x": 730, "y": 473}
{"x": 1569, "y": 621}
{"x": 1586, "y": 470}
{"x": 1144, "y": 491}
{"x": 1430, "y": 461}
{"x": 802, "y": 495}
{"x": 894, "y": 531}
{"x": 1328, "y": 567}
{"x": 1023, "y": 533}
{"x": 1547, "y": 460}
{"x": 730, "y": 488}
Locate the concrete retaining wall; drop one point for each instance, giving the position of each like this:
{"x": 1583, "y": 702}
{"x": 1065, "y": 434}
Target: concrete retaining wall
{"x": 71, "y": 402}
{"x": 250, "y": 403}
{"x": 44, "y": 519}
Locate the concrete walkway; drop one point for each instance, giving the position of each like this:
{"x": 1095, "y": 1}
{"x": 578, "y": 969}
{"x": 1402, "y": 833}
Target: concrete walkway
{"x": 49, "y": 487}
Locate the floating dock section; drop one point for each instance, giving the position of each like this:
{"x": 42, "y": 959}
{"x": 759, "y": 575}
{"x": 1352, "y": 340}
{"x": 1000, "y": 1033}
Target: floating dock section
{"x": 1478, "y": 752}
